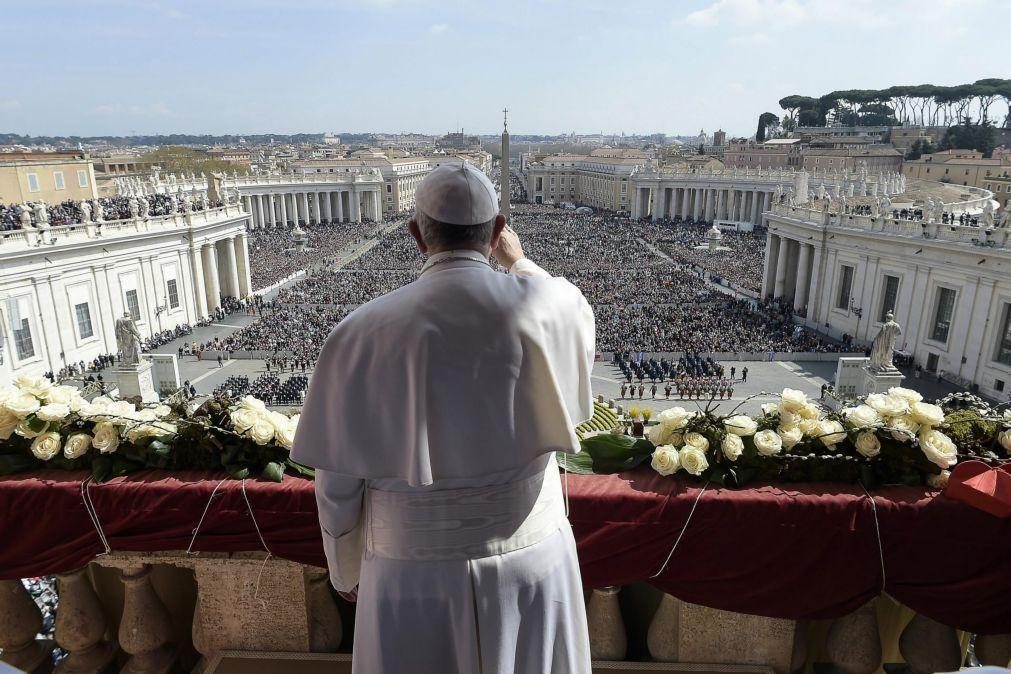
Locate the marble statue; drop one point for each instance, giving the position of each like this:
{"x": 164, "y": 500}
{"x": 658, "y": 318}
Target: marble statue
{"x": 26, "y": 218}
{"x": 41, "y": 215}
{"x": 875, "y": 208}
{"x": 134, "y": 207}
{"x": 171, "y": 205}
{"x": 128, "y": 339}
{"x": 862, "y": 170}
{"x": 843, "y": 204}
{"x": 205, "y": 203}
{"x": 883, "y": 347}
{"x": 779, "y": 194}
{"x": 987, "y": 218}
{"x": 145, "y": 207}
{"x": 85, "y": 212}
{"x": 886, "y": 206}
{"x": 821, "y": 190}
{"x": 99, "y": 212}
{"x": 1005, "y": 216}
{"x": 791, "y": 199}
{"x": 184, "y": 204}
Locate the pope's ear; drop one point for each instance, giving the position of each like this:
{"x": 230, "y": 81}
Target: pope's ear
{"x": 415, "y": 232}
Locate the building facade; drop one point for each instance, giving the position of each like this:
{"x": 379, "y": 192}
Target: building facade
{"x": 51, "y": 177}
{"x": 58, "y": 303}
{"x": 948, "y": 286}
{"x": 960, "y": 167}
{"x": 599, "y": 180}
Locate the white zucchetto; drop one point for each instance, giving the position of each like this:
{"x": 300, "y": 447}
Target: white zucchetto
{"x": 457, "y": 194}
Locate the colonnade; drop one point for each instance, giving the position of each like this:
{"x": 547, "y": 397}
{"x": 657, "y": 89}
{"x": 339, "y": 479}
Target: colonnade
{"x": 789, "y": 272}
{"x": 220, "y": 269}
{"x": 311, "y": 206}
{"x": 705, "y": 203}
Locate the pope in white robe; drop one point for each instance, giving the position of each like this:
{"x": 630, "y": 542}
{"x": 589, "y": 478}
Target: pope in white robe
{"x": 432, "y": 420}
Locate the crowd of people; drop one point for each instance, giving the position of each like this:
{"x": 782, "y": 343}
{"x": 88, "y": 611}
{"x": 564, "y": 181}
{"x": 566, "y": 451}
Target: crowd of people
{"x": 267, "y": 387}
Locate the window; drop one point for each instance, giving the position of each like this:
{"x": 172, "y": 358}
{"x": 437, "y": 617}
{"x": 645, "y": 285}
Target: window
{"x": 33, "y": 182}
{"x": 83, "y": 314}
{"x": 173, "y": 293}
{"x": 82, "y": 178}
{"x": 942, "y": 316}
{"x": 58, "y": 180}
{"x": 389, "y": 188}
{"x": 23, "y": 340}
{"x": 1004, "y": 338}
{"x": 888, "y": 296}
{"x": 845, "y": 285}
{"x": 132, "y": 305}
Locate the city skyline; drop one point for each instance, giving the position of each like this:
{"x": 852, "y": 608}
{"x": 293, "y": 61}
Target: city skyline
{"x": 178, "y": 67}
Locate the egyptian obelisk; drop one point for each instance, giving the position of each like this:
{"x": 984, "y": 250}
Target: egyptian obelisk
{"x": 504, "y": 187}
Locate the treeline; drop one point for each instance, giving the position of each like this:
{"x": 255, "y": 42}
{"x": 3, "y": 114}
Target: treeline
{"x": 920, "y": 104}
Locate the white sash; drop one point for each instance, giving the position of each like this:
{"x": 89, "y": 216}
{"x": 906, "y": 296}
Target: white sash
{"x": 464, "y": 523}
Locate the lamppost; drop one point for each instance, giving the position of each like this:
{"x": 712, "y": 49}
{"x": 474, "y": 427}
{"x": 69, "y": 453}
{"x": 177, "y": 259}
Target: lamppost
{"x": 159, "y": 310}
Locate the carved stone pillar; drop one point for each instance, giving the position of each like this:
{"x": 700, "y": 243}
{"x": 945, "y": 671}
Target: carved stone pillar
{"x": 325, "y": 628}
{"x": 80, "y": 626}
{"x": 928, "y": 646}
{"x": 145, "y": 630}
{"x": 606, "y": 627}
{"x": 853, "y": 644}
{"x": 994, "y": 650}
{"x": 663, "y": 636}
{"x": 20, "y": 621}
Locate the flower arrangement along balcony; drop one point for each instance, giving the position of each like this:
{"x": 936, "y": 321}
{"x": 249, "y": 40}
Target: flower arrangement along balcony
{"x": 885, "y": 438}
{"x": 43, "y": 426}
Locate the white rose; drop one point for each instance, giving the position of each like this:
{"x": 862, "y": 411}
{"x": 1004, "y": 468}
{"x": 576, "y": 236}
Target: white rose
{"x": 61, "y": 394}
{"x": 768, "y": 443}
{"x": 101, "y": 403}
{"x": 868, "y": 444}
{"x": 926, "y": 414}
{"x": 162, "y": 411}
{"x": 53, "y": 412}
{"x": 277, "y": 420}
{"x": 810, "y": 411}
{"x": 741, "y": 424}
{"x": 22, "y": 404}
{"x": 732, "y": 446}
{"x": 25, "y": 430}
{"x": 8, "y": 422}
{"x": 121, "y": 412}
{"x": 939, "y": 481}
{"x": 665, "y": 460}
{"x": 810, "y": 427}
{"x": 77, "y": 445}
{"x": 793, "y": 400}
{"x": 243, "y": 418}
{"x": 286, "y": 436}
{"x": 904, "y": 428}
{"x": 106, "y": 438}
{"x": 46, "y": 446}
{"x": 888, "y": 405}
{"x": 1004, "y": 438}
{"x": 938, "y": 448}
{"x": 693, "y": 460}
{"x": 254, "y": 404}
{"x": 770, "y": 408}
{"x": 145, "y": 414}
{"x": 831, "y": 432}
{"x": 673, "y": 418}
{"x": 907, "y": 394}
{"x": 790, "y": 419}
{"x": 1007, "y": 416}
{"x": 79, "y": 404}
{"x": 37, "y": 386}
{"x": 862, "y": 416}
{"x": 790, "y": 436}
{"x": 696, "y": 441}
{"x": 150, "y": 429}
{"x": 6, "y": 391}
{"x": 262, "y": 431}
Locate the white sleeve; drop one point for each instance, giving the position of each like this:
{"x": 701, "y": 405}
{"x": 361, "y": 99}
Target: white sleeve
{"x": 527, "y": 267}
{"x": 339, "y": 501}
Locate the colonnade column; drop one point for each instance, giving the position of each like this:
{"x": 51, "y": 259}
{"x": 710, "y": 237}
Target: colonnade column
{"x": 721, "y": 204}
{"x": 241, "y": 252}
{"x": 284, "y": 210}
{"x": 340, "y": 205}
{"x": 356, "y": 206}
{"x": 685, "y": 199}
{"x": 270, "y": 210}
{"x": 377, "y": 207}
{"x": 305, "y": 207}
{"x": 657, "y": 211}
{"x": 211, "y": 285}
{"x": 784, "y": 253}
{"x": 199, "y": 293}
{"x": 316, "y": 208}
{"x": 803, "y": 279}
{"x": 324, "y": 202}
{"x": 697, "y": 205}
{"x": 229, "y": 271}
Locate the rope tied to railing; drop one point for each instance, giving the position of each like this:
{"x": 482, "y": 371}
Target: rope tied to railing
{"x": 877, "y": 531}
{"x": 89, "y": 506}
{"x": 683, "y": 530}
{"x": 263, "y": 566}
{"x": 189, "y": 548}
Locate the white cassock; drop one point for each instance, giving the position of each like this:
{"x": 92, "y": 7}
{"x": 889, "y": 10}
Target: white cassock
{"x": 432, "y": 419}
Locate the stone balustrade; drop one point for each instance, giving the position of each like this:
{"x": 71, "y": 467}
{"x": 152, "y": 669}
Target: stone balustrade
{"x": 110, "y": 229}
{"x": 162, "y": 612}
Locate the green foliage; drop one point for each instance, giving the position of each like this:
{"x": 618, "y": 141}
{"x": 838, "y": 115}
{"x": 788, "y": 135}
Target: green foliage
{"x": 765, "y": 120}
{"x": 920, "y": 147}
{"x": 186, "y": 160}
{"x": 981, "y": 137}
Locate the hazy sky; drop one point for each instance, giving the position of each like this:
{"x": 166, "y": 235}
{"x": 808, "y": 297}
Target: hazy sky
{"x": 253, "y": 66}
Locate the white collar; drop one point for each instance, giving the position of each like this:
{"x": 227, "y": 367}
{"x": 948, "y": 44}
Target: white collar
{"x": 452, "y": 255}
